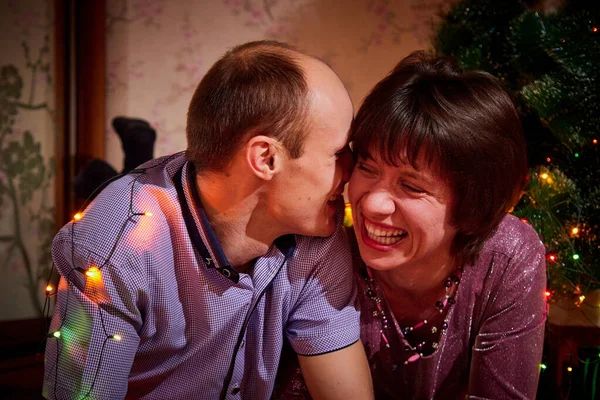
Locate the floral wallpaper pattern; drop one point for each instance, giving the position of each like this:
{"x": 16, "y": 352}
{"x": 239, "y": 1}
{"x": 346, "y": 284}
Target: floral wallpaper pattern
{"x": 27, "y": 135}
{"x": 158, "y": 50}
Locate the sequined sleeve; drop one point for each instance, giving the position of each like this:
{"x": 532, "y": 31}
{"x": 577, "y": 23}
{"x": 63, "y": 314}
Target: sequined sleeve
{"x": 508, "y": 347}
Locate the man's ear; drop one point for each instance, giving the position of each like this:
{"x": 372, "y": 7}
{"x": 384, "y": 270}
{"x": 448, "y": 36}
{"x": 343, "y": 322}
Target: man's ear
{"x": 264, "y": 156}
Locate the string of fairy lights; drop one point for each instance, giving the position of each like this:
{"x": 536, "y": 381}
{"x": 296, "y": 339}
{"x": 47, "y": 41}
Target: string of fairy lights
{"x": 548, "y": 180}
{"x": 563, "y": 254}
{"x": 93, "y": 279}
{"x": 563, "y": 239}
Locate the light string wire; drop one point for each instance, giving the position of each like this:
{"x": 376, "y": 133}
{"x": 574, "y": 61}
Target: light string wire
{"x": 53, "y": 293}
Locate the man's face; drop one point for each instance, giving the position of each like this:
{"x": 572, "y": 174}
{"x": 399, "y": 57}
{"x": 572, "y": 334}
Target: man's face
{"x": 310, "y": 188}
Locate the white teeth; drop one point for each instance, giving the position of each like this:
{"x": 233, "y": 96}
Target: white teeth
{"x": 383, "y": 235}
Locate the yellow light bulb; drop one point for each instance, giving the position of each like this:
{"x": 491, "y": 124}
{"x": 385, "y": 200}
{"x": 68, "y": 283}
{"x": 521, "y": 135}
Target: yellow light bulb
{"x": 77, "y": 216}
{"x": 581, "y": 298}
{"x": 575, "y": 231}
{"x": 117, "y": 337}
{"x": 544, "y": 176}
{"x": 56, "y": 334}
{"x": 569, "y": 369}
{"x": 48, "y": 288}
{"x": 92, "y": 272}
{"x": 148, "y": 214}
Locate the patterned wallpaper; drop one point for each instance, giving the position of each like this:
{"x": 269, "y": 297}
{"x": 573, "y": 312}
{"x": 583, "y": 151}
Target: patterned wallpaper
{"x": 158, "y": 50}
{"x": 27, "y": 137}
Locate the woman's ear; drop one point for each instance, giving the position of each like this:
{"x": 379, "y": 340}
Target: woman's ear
{"x": 264, "y": 156}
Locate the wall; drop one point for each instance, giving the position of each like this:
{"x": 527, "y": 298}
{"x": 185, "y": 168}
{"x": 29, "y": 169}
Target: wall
{"x": 27, "y": 137}
{"x": 157, "y": 51}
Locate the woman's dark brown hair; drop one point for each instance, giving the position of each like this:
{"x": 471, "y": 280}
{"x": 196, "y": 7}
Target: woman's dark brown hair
{"x": 464, "y": 125}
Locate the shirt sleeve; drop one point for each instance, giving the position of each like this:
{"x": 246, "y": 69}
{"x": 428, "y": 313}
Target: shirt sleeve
{"x": 93, "y": 337}
{"x": 325, "y": 319}
{"x": 508, "y": 347}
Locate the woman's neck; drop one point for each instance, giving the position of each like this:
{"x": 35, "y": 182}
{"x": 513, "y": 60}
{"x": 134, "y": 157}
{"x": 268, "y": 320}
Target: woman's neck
{"x": 416, "y": 280}
{"x": 412, "y": 291}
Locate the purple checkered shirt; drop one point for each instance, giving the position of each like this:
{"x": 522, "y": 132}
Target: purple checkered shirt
{"x": 165, "y": 317}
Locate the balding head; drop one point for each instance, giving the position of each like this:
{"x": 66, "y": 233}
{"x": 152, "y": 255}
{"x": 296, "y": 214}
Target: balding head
{"x": 266, "y": 88}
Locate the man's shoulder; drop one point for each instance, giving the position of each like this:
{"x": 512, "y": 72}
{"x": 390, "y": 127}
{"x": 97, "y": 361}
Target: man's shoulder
{"x": 326, "y": 243}
{"x": 311, "y": 250}
{"x": 130, "y": 211}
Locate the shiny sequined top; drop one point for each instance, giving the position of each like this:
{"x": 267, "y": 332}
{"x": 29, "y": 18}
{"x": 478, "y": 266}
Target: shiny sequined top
{"x": 492, "y": 345}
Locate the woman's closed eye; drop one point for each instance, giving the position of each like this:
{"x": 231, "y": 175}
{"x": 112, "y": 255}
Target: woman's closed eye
{"x": 412, "y": 188}
{"x": 365, "y": 169}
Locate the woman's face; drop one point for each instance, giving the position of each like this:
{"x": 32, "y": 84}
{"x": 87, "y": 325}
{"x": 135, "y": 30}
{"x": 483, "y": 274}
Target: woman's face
{"x": 401, "y": 215}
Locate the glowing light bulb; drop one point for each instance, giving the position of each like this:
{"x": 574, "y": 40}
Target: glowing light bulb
{"x": 581, "y": 298}
{"x": 547, "y": 293}
{"x": 348, "y": 215}
{"x": 117, "y": 337}
{"x": 595, "y": 29}
{"x": 543, "y": 366}
{"x": 575, "y": 231}
{"x": 575, "y": 256}
{"x": 595, "y": 141}
{"x": 56, "y": 334}
{"x": 548, "y": 159}
{"x": 576, "y": 155}
{"x": 92, "y": 272}
{"x": 552, "y": 257}
{"x": 544, "y": 176}
{"x": 48, "y": 288}
{"x": 569, "y": 369}
{"x": 148, "y": 214}
{"x": 77, "y": 216}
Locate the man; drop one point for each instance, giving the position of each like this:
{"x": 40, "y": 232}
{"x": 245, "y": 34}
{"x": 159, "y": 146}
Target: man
{"x": 182, "y": 279}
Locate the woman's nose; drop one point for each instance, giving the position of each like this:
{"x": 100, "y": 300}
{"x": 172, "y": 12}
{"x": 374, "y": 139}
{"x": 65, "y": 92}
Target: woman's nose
{"x": 378, "y": 203}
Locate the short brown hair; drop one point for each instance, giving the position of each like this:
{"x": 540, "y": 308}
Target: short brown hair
{"x": 255, "y": 88}
{"x": 464, "y": 125}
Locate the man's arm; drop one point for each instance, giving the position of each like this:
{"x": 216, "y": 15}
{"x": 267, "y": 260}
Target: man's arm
{"x": 342, "y": 374}
{"x": 92, "y": 339}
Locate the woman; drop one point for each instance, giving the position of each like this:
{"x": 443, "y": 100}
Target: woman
{"x": 450, "y": 286}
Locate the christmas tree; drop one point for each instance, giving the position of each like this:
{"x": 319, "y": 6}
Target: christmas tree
{"x": 551, "y": 64}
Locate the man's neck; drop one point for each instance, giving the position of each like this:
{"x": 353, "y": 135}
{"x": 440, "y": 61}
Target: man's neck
{"x": 237, "y": 218}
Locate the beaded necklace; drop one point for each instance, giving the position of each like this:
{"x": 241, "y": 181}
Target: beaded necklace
{"x": 440, "y": 305}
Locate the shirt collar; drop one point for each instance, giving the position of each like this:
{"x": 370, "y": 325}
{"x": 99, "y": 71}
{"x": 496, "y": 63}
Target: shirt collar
{"x": 210, "y": 249}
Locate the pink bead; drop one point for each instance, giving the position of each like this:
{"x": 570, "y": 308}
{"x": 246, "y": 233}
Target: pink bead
{"x": 413, "y": 358}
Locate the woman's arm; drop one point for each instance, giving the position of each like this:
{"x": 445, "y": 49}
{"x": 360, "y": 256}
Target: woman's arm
{"x": 508, "y": 347}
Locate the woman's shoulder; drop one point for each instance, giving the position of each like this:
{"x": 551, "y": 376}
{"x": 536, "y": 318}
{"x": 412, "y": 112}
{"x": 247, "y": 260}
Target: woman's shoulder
{"x": 512, "y": 236}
